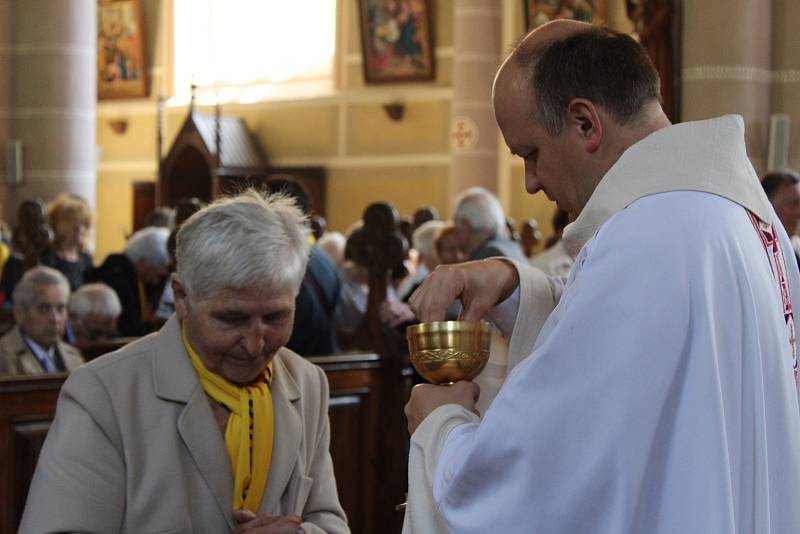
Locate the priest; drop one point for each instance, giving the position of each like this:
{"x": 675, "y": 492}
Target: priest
{"x": 661, "y": 394}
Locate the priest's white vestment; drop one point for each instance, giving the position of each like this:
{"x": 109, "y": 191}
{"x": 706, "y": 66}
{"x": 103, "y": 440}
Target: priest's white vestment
{"x": 661, "y": 395}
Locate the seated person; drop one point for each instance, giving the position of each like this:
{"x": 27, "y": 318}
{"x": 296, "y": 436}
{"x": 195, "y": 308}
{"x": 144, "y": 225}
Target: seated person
{"x": 70, "y": 219}
{"x": 555, "y": 260}
{"x": 314, "y": 332}
{"x": 210, "y": 425}
{"x": 446, "y": 241}
{"x": 93, "y": 313}
{"x": 332, "y": 244}
{"x": 354, "y": 300}
{"x": 481, "y": 226}
{"x": 422, "y": 240}
{"x": 138, "y": 278}
{"x": 34, "y": 346}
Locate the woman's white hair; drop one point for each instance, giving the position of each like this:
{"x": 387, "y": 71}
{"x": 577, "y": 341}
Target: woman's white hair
{"x": 94, "y": 299}
{"x": 148, "y": 244}
{"x": 424, "y": 235}
{"x": 245, "y": 241}
{"x": 481, "y": 210}
{"x": 38, "y": 276}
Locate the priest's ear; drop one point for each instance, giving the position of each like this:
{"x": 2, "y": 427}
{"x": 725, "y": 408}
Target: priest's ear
{"x": 583, "y": 119}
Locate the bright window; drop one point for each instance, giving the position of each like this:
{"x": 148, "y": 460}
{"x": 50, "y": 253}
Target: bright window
{"x": 240, "y": 48}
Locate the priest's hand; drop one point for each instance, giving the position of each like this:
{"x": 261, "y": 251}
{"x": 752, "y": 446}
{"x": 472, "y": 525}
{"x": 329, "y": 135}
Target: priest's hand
{"x": 261, "y": 523}
{"x": 479, "y": 284}
{"x": 425, "y": 398}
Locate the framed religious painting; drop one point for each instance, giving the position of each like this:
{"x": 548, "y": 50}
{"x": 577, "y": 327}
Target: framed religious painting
{"x": 397, "y": 40}
{"x": 537, "y": 12}
{"x": 121, "y": 71}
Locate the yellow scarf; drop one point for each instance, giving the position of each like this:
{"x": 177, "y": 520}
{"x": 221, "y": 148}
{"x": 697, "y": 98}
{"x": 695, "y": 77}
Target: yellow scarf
{"x": 249, "y": 433}
{"x": 145, "y": 310}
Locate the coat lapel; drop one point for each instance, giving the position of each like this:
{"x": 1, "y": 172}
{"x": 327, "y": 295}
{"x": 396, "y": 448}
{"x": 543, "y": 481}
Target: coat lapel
{"x": 288, "y": 431}
{"x": 176, "y": 380}
{"x": 198, "y": 429}
{"x": 27, "y": 361}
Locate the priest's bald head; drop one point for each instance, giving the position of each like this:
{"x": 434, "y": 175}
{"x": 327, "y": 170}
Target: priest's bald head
{"x": 569, "y": 100}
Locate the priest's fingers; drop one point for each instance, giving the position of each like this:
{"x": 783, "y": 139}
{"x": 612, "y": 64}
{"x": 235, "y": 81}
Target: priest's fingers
{"x": 489, "y": 282}
{"x": 431, "y": 300}
{"x": 425, "y": 398}
{"x": 479, "y": 284}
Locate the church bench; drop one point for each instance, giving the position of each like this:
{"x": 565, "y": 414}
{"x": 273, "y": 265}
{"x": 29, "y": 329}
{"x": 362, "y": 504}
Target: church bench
{"x": 27, "y": 405}
{"x": 94, "y": 349}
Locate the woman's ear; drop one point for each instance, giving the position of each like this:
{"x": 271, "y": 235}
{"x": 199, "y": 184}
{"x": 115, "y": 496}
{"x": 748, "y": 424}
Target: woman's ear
{"x": 179, "y": 296}
{"x": 584, "y": 120}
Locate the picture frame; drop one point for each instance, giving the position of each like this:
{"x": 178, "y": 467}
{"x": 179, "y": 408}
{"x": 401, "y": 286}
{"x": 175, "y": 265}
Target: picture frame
{"x": 121, "y": 68}
{"x": 537, "y": 12}
{"x": 397, "y": 40}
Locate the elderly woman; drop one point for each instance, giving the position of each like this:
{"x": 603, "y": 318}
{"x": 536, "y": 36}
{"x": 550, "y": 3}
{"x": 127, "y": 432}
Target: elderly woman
{"x": 70, "y": 219}
{"x": 209, "y": 425}
{"x": 93, "y": 313}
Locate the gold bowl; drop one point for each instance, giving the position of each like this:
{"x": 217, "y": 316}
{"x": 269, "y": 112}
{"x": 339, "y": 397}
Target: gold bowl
{"x": 448, "y": 351}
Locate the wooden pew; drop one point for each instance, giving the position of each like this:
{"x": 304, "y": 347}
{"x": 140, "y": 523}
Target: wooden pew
{"x": 95, "y": 349}
{"x": 27, "y": 406}
{"x": 354, "y": 414}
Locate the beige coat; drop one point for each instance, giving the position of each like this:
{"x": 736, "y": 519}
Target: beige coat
{"x": 134, "y": 448}
{"x": 17, "y": 359}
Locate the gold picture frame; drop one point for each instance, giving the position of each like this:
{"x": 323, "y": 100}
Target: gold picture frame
{"x": 121, "y": 69}
{"x": 397, "y": 40}
{"x": 537, "y": 12}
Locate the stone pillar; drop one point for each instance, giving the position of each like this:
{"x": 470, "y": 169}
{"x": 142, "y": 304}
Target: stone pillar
{"x": 5, "y": 102}
{"x": 477, "y": 29}
{"x": 786, "y": 70}
{"x": 53, "y": 95}
{"x": 727, "y": 66}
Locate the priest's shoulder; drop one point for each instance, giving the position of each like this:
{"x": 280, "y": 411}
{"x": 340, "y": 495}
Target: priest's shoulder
{"x": 675, "y": 215}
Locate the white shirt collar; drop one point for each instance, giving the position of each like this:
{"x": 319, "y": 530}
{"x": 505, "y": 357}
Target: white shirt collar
{"x": 48, "y": 356}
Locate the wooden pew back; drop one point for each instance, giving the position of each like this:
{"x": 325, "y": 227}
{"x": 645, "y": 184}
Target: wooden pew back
{"x": 27, "y": 406}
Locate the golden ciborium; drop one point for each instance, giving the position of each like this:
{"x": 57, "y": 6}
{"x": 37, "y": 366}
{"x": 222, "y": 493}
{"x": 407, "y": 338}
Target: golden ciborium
{"x": 448, "y": 351}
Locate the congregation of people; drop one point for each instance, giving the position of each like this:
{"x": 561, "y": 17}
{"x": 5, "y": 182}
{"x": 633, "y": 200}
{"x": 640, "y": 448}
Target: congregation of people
{"x": 646, "y": 382}
{"x": 128, "y": 294}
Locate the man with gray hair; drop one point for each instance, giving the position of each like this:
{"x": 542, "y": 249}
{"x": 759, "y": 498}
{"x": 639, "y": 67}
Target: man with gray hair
{"x": 93, "y": 312}
{"x": 211, "y": 424}
{"x": 34, "y": 346}
{"x": 138, "y": 277}
{"x": 481, "y": 226}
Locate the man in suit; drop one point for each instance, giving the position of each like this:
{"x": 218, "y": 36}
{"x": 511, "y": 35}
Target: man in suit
{"x": 137, "y": 276}
{"x": 210, "y": 425}
{"x": 783, "y": 191}
{"x": 34, "y": 346}
{"x": 481, "y": 226}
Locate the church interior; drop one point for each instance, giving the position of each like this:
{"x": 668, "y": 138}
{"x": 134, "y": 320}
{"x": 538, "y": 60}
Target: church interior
{"x": 138, "y": 105}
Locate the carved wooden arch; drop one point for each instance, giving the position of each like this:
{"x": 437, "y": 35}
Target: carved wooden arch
{"x": 188, "y": 155}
